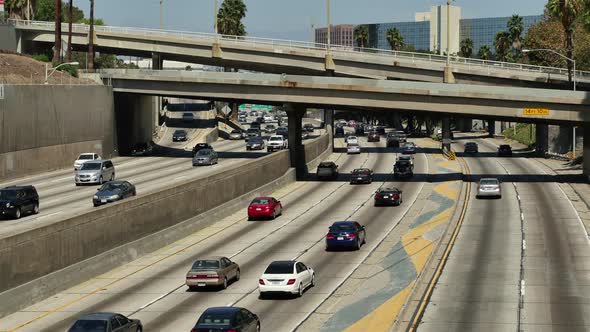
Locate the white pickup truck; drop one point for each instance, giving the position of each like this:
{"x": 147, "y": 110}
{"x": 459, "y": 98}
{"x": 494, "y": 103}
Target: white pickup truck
{"x": 276, "y": 142}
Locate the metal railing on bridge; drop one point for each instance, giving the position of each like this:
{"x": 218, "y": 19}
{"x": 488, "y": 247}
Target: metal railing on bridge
{"x": 280, "y": 44}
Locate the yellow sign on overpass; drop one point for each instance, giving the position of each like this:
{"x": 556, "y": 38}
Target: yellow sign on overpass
{"x": 535, "y": 111}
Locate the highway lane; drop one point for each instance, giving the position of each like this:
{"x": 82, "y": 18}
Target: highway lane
{"x": 479, "y": 287}
{"x": 309, "y": 210}
{"x": 60, "y": 197}
{"x": 519, "y": 263}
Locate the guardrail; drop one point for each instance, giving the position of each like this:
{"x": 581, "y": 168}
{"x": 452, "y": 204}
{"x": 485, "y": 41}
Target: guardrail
{"x": 292, "y": 44}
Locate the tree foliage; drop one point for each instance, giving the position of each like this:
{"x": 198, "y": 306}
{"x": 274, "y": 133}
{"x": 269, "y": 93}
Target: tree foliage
{"x": 361, "y": 35}
{"x": 45, "y": 11}
{"x": 515, "y": 28}
{"x": 229, "y": 18}
{"x": 484, "y": 52}
{"x": 394, "y": 38}
{"x": 502, "y": 43}
{"x": 466, "y": 47}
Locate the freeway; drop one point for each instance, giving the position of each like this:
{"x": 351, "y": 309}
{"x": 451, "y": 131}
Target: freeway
{"x": 519, "y": 263}
{"x": 152, "y": 287}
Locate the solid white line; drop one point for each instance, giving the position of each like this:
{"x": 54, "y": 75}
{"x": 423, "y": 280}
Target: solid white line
{"x": 49, "y": 215}
{"x": 522, "y": 287}
{"x": 518, "y": 196}
{"x": 522, "y": 216}
{"x": 155, "y": 300}
{"x": 523, "y": 244}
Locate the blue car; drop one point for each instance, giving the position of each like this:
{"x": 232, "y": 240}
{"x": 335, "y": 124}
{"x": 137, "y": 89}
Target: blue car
{"x": 349, "y": 234}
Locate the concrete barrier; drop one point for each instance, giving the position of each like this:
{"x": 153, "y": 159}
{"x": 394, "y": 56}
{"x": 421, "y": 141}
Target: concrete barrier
{"x": 41, "y": 262}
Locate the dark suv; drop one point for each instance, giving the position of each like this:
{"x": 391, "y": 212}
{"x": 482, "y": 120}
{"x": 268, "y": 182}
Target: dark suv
{"x": 403, "y": 168}
{"x": 504, "y": 150}
{"x": 393, "y": 140}
{"x": 327, "y": 170}
{"x": 15, "y": 201}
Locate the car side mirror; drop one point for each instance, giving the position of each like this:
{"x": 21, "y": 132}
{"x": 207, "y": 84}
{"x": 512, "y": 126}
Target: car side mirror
{"x": 104, "y": 168}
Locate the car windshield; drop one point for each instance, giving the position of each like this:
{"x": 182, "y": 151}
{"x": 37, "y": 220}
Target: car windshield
{"x": 205, "y": 264}
{"x": 488, "y": 182}
{"x": 261, "y": 201}
{"x": 353, "y": 145}
{"x": 91, "y": 166}
{"x": 89, "y": 326}
{"x": 188, "y": 115}
{"x": 360, "y": 171}
{"x": 216, "y": 318}
{"x": 270, "y": 127}
{"x": 280, "y": 268}
{"x": 324, "y": 165}
{"x": 85, "y": 157}
{"x": 402, "y": 157}
{"x": 205, "y": 152}
{"x": 179, "y": 132}
{"x": 8, "y": 194}
{"x": 351, "y": 137}
{"x": 235, "y": 131}
{"x": 403, "y": 163}
{"x": 342, "y": 228}
{"x": 276, "y": 138}
{"x": 140, "y": 146}
{"x": 256, "y": 140}
{"x": 112, "y": 186}
{"x": 252, "y": 130}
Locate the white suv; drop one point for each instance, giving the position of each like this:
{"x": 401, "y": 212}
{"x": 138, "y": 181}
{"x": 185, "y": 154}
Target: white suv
{"x": 276, "y": 142}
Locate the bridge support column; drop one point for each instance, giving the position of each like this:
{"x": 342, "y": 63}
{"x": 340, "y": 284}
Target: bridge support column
{"x": 329, "y": 124}
{"x": 446, "y": 133}
{"x": 296, "y": 149}
{"x": 465, "y": 125}
{"x": 542, "y": 138}
{"x": 448, "y": 75}
{"x": 491, "y": 128}
{"x": 586, "y": 149}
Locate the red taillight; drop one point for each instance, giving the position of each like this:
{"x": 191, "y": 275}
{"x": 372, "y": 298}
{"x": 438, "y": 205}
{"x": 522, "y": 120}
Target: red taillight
{"x": 330, "y": 236}
{"x": 193, "y": 330}
{"x": 231, "y": 330}
{"x": 291, "y": 282}
{"x": 396, "y": 196}
{"x": 377, "y": 196}
{"x": 260, "y": 282}
{"x": 351, "y": 236}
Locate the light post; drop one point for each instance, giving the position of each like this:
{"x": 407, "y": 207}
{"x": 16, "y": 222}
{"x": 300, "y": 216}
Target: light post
{"x": 449, "y": 32}
{"x": 215, "y": 17}
{"x": 48, "y": 75}
{"x": 329, "y": 33}
{"x": 161, "y": 14}
{"x": 573, "y": 61}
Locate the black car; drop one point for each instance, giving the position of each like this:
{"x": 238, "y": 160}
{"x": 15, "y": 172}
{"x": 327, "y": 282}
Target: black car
{"x": 283, "y": 131}
{"x": 380, "y": 130}
{"x": 471, "y": 147}
{"x": 253, "y": 132}
{"x": 113, "y": 191}
{"x": 388, "y": 196}
{"x": 373, "y": 137}
{"x": 359, "y": 130}
{"x": 260, "y": 119}
{"x": 142, "y": 149}
{"x": 16, "y": 201}
{"x": 504, "y": 150}
{"x": 361, "y": 175}
{"x": 327, "y": 170}
{"x": 308, "y": 127}
{"x": 179, "y": 135}
{"x": 255, "y": 125}
{"x": 255, "y": 143}
{"x": 227, "y": 319}
{"x": 201, "y": 146}
{"x": 393, "y": 140}
{"x": 339, "y": 131}
{"x": 403, "y": 168}
{"x": 106, "y": 322}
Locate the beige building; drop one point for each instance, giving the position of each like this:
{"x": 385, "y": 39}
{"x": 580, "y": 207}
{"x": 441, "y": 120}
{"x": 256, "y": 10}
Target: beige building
{"x": 339, "y": 35}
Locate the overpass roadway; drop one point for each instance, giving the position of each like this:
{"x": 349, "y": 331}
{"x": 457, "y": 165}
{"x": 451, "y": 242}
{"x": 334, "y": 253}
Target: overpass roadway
{"x": 294, "y": 57}
{"x": 499, "y": 103}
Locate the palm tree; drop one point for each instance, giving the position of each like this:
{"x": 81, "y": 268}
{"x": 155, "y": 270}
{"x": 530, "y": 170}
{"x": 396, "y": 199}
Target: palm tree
{"x": 466, "y": 47}
{"x": 229, "y": 18}
{"x": 57, "y": 47}
{"x": 484, "y": 52}
{"x": 515, "y": 27}
{"x": 567, "y": 12}
{"x": 395, "y": 39}
{"x": 502, "y": 44}
{"x": 90, "y": 64}
{"x": 361, "y": 35}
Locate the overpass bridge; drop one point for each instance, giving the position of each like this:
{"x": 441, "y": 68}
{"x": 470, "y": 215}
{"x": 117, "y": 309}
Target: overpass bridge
{"x": 294, "y": 57}
{"x": 298, "y": 92}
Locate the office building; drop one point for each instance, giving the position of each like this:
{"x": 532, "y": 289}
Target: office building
{"x": 339, "y": 35}
{"x": 429, "y": 31}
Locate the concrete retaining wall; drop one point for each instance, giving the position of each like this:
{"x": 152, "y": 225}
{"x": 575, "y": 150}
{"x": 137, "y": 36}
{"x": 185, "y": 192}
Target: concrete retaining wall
{"x": 45, "y": 127}
{"x": 8, "y": 38}
{"x": 44, "y": 261}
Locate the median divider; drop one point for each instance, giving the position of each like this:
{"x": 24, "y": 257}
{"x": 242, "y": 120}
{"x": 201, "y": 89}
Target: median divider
{"x": 43, "y": 261}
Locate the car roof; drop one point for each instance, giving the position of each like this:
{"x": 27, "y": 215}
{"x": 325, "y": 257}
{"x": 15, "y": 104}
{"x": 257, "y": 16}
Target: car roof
{"x": 16, "y": 187}
{"x": 115, "y": 182}
{"x": 210, "y": 258}
{"x": 343, "y": 223}
{"x": 489, "y": 179}
{"x": 361, "y": 170}
{"x": 287, "y": 263}
{"x": 387, "y": 189}
{"x": 87, "y": 154}
{"x": 202, "y": 144}
{"x": 98, "y": 315}
{"x": 327, "y": 163}
{"x": 223, "y": 309}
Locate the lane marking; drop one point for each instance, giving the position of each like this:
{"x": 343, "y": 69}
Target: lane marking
{"x": 522, "y": 287}
{"x": 523, "y": 244}
{"x": 522, "y": 216}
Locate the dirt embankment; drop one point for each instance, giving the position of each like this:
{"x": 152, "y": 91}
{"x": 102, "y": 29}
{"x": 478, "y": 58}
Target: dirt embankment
{"x": 21, "y": 69}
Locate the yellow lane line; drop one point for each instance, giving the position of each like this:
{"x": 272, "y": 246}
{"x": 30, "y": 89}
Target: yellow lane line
{"x": 443, "y": 261}
{"x": 67, "y": 304}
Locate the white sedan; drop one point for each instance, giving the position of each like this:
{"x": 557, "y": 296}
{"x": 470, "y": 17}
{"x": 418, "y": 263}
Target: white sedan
{"x": 286, "y": 277}
{"x": 353, "y": 148}
{"x": 352, "y": 140}
{"x": 85, "y": 157}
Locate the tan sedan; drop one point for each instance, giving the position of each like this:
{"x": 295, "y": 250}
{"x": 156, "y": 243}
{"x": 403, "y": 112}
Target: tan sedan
{"x": 212, "y": 271}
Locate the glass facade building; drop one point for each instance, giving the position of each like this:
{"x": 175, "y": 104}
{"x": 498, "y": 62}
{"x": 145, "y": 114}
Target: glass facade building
{"x": 414, "y": 33}
{"x": 483, "y": 30}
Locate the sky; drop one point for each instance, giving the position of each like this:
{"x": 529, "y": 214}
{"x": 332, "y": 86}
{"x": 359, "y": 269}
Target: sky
{"x": 291, "y": 19}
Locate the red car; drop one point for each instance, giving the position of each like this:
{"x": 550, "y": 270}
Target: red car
{"x": 264, "y": 207}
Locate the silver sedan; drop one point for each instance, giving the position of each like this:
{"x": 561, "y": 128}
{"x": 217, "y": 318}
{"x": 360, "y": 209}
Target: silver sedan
{"x": 489, "y": 187}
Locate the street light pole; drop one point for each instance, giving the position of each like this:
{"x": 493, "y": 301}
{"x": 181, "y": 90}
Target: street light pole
{"x": 48, "y": 75}
{"x": 161, "y": 19}
{"x": 448, "y": 32}
{"x": 215, "y": 17}
{"x": 329, "y": 28}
